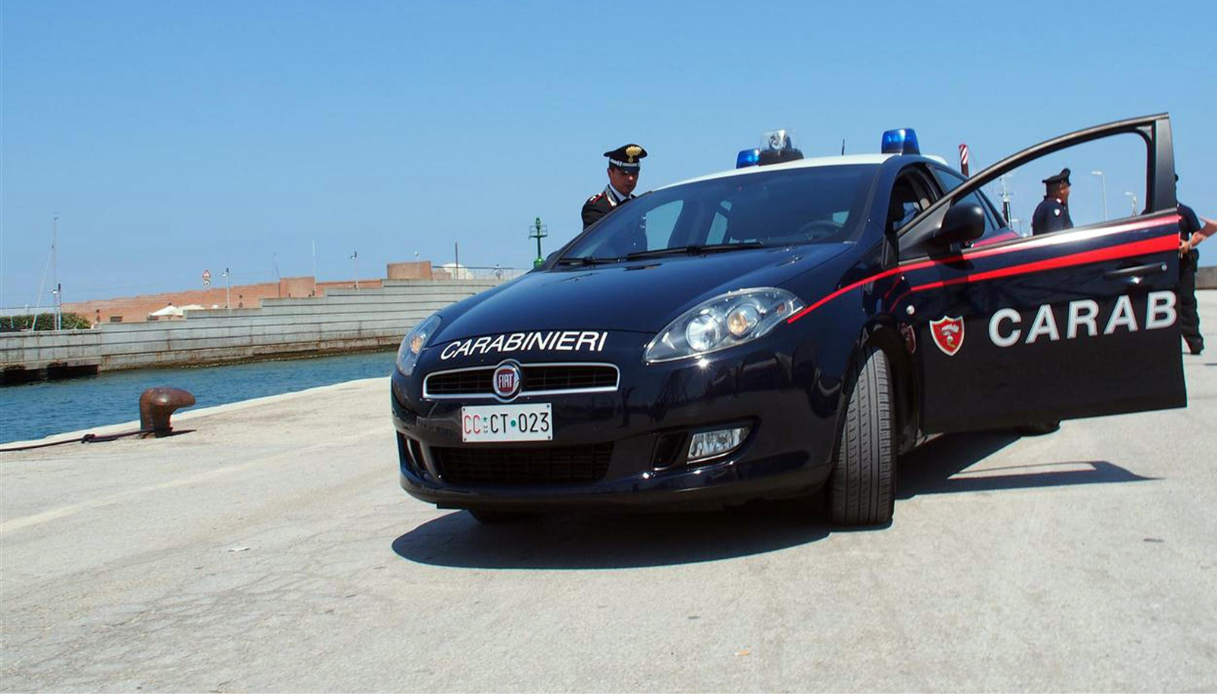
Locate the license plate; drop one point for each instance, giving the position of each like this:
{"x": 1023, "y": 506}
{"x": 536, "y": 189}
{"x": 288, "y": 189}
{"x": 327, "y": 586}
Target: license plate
{"x": 495, "y": 423}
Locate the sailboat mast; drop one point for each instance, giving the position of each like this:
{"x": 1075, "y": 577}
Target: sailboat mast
{"x": 55, "y": 272}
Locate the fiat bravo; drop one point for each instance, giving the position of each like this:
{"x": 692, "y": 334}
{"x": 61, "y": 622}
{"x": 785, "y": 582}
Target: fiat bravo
{"x": 789, "y": 326}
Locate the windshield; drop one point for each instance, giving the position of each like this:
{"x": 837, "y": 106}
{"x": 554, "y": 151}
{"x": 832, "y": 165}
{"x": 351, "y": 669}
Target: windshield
{"x": 775, "y": 208}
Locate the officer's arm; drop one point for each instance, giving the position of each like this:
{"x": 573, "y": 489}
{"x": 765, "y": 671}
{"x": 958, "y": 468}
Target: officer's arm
{"x": 1054, "y": 222}
{"x": 590, "y": 215}
{"x": 1209, "y": 228}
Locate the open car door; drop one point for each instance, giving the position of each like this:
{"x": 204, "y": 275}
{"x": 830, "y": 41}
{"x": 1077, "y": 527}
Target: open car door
{"x": 1075, "y": 323}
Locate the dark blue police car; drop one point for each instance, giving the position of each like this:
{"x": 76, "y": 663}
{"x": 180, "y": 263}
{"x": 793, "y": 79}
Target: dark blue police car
{"x": 790, "y": 325}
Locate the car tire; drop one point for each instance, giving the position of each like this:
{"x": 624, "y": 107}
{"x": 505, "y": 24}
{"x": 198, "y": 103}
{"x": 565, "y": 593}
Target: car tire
{"x": 862, "y": 488}
{"x": 489, "y": 517}
{"x": 1038, "y": 428}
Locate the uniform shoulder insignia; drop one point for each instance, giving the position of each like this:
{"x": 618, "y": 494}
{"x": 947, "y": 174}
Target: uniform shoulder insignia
{"x": 595, "y": 197}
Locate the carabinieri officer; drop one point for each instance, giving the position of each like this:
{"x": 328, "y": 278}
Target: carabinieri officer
{"x": 623, "y": 168}
{"x": 1053, "y": 212}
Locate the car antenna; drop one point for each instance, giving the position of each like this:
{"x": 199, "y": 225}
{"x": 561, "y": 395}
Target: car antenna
{"x": 842, "y": 146}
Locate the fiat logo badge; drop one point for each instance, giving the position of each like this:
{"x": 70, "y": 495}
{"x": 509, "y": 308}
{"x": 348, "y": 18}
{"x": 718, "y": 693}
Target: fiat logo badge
{"x": 507, "y": 381}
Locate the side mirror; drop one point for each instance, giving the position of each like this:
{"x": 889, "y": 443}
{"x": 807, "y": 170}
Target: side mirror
{"x": 963, "y": 223}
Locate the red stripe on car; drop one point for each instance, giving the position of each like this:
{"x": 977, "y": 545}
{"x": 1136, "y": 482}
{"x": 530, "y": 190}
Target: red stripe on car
{"x": 1054, "y": 239}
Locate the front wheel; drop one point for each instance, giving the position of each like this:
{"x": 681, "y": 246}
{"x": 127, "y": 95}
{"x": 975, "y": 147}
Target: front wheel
{"x": 862, "y": 490}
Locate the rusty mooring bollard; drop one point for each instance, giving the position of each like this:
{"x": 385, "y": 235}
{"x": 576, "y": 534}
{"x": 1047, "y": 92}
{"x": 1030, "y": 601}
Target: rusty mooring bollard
{"x": 157, "y": 405}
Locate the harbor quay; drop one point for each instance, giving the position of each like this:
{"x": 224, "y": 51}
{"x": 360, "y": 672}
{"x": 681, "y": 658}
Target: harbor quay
{"x": 341, "y": 320}
{"x": 269, "y": 547}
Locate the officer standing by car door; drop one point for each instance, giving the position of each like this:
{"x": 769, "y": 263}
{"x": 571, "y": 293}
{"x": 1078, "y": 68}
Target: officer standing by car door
{"x": 623, "y": 169}
{"x": 1052, "y": 214}
{"x": 1191, "y": 232}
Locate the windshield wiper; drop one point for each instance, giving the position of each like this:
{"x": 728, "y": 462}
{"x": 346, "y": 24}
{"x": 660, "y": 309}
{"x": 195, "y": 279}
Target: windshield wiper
{"x": 587, "y": 261}
{"x": 695, "y": 249}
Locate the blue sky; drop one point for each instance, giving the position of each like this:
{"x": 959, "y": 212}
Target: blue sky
{"x": 173, "y": 137}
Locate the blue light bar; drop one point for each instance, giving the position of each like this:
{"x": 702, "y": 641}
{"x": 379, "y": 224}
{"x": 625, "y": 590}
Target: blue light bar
{"x": 748, "y": 157}
{"x": 902, "y": 141}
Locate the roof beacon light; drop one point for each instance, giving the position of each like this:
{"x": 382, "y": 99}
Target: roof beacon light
{"x": 747, "y": 157}
{"x": 777, "y": 140}
{"x": 778, "y": 146}
{"x": 902, "y": 141}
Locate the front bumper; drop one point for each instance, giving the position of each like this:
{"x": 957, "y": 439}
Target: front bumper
{"x": 638, "y": 435}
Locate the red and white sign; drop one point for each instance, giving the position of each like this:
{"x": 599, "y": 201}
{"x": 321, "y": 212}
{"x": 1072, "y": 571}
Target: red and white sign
{"x": 948, "y": 334}
{"x": 207, "y": 278}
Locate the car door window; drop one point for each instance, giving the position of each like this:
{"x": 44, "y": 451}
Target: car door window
{"x": 912, "y": 193}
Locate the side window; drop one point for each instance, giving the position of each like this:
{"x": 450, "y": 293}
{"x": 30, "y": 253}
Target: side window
{"x": 911, "y": 193}
{"x": 1088, "y": 181}
{"x": 949, "y": 179}
{"x": 1092, "y": 182}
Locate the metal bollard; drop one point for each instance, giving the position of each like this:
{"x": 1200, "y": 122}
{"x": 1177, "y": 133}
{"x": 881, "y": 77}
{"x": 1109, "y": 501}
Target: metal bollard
{"x": 157, "y": 405}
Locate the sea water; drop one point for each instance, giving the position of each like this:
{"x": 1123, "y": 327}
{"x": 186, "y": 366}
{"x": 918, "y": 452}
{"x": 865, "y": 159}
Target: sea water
{"x": 35, "y": 410}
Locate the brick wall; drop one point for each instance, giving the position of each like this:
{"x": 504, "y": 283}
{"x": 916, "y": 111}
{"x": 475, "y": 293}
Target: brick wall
{"x": 419, "y": 270}
{"x": 135, "y": 309}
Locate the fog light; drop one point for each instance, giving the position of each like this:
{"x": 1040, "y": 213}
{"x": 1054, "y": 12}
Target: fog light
{"x": 711, "y": 444}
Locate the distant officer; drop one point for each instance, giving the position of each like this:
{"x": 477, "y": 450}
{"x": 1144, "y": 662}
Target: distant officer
{"x": 1192, "y": 230}
{"x": 1053, "y": 212}
{"x": 623, "y": 168}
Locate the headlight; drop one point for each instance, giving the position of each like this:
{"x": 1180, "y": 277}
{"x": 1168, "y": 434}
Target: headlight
{"x": 724, "y": 321}
{"x": 416, "y": 339}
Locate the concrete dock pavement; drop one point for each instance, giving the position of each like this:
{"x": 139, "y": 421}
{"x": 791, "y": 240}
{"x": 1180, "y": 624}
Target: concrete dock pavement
{"x": 270, "y": 549}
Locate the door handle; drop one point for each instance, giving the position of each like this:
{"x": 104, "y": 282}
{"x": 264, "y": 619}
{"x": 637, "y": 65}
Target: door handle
{"x": 1134, "y": 274}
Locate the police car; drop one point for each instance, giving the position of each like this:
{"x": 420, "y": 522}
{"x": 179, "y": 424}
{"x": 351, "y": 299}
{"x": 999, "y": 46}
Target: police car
{"x": 791, "y": 325}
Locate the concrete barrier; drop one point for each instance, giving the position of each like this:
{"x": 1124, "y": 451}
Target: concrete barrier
{"x": 340, "y": 321}
{"x": 1206, "y": 277}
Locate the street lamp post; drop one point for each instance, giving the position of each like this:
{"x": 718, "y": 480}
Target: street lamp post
{"x": 1103, "y": 182}
{"x": 538, "y": 231}
{"x": 227, "y": 292}
{"x": 1133, "y": 196}
{"x": 355, "y": 266}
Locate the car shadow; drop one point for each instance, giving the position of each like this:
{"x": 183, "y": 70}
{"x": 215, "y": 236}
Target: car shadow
{"x": 941, "y": 467}
{"x": 615, "y": 541}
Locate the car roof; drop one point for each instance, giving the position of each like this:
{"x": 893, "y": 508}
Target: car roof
{"x": 810, "y": 163}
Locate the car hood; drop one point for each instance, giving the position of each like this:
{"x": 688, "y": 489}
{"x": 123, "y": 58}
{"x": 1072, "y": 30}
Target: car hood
{"x": 639, "y": 296}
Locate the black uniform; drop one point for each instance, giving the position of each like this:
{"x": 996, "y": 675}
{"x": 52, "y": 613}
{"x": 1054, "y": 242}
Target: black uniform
{"x": 601, "y": 204}
{"x": 1189, "y": 317}
{"x": 1052, "y": 214}
{"x": 626, "y": 158}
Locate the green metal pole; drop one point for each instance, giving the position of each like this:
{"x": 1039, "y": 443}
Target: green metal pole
{"x": 537, "y": 233}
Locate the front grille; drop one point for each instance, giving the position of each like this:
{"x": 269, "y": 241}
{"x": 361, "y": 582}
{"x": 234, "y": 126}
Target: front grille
{"x": 460, "y": 382}
{"x": 567, "y": 377}
{"x": 537, "y": 378}
{"x": 523, "y": 466}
